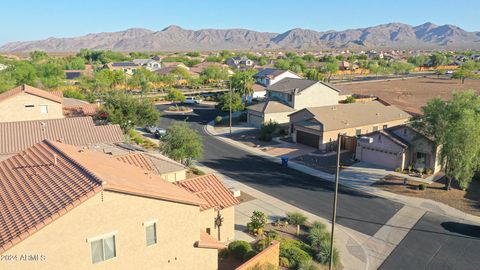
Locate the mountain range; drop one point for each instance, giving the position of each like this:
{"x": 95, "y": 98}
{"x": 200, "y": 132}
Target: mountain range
{"x": 175, "y": 38}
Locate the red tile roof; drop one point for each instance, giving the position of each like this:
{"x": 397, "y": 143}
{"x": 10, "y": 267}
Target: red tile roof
{"x": 48, "y": 179}
{"x": 31, "y": 90}
{"x": 80, "y": 131}
{"x": 138, "y": 160}
{"x": 210, "y": 189}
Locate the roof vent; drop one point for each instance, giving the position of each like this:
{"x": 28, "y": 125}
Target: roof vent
{"x": 55, "y": 159}
{"x": 377, "y": 114}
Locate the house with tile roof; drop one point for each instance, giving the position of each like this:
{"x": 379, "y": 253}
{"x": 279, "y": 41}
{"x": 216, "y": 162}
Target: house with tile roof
{"x": 289, "y": 95}
{"x": 79, "y": 131}
{"x": 24, "y": 103}
{"x": 81, "y": 209}
{"x": 319, "y": 126}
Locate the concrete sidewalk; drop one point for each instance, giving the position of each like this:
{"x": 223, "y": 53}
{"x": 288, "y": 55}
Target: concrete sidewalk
{"x": 347, "y": 241}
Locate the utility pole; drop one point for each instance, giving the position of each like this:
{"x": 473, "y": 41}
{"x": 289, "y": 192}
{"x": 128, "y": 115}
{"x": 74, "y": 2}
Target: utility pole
{"x": 125, "y": 77}
{"x": 335, "y": 196}
{"x": 230, "y": 118}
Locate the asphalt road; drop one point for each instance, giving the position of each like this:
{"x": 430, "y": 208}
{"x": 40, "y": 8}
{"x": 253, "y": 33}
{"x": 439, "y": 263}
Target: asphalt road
{"x": 356, "y": 210}
{"x": 437, "y": 242}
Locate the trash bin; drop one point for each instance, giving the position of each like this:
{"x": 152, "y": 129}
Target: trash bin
{"x": 284, "y": 161}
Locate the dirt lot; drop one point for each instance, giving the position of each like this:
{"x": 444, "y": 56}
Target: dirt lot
{"x": 411, "y": 94}
{"x": 466, "y": 201}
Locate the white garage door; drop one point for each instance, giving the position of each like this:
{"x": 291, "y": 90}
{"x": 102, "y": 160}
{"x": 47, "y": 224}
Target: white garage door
{"x": 255, "y": 120}
{"x": 379, "y": 157}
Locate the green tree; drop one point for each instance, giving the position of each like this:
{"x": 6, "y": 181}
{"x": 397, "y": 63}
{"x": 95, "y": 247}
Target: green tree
{"x": 175, "y": 95}
{"x": 243, "y": 81}
{"x": 375, "y": 68}
{"x": 74, "y": 63}
{"x": 438, "y": 59}
{"x": 467, "y": 70}
{"x": 50, "y": 74}
{"x": 224, "y": 102}
{"x": 329, "y": 69}
{"x": 257, "y": 223}
{"x": 182, "y": 143}
{"x": 418, "y": 60}
{"x": 448, "y": 123}
{"x": 23, "y": 73}
{"x": 129, "y": 112}
{"x": 214, "y": 73}
{"x": 38, "y": 55}
{"x": 282, "y": 64}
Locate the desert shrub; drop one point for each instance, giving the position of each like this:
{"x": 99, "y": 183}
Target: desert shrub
{"x": 422, "y": 187}
{"x": 308, "y": 266}
{"x": 295, "y": 251}
{"x": 296, "y": 218}
{"x": 196, "y": 171}
{"x": 323, "y": 254}
{"x": 239, "y": 248}
{"x": 318, "y": 235}
{"x": 242, "y": 117}
{"x": 173, "y": 108}
{"x": 319, "y": 225}
{"x": 397, "y": 169}
{"x": 218, "y": 119}
{"x": 284, "y": 262}
{"x": 223, "y": 253}
{"x": 350, "y": 99}
{"x": 250, "y": 254}
{"x": 267, "y": 129}
{"x": 258, "y": 220}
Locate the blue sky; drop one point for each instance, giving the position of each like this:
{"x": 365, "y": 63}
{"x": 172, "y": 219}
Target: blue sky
{"x": 29, "y": 20}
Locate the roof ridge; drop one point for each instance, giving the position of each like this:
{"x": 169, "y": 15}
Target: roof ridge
{"x": 75, "y": 162}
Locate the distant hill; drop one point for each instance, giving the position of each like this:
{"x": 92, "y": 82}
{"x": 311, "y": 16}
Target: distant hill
{"x": 175, "y": 38}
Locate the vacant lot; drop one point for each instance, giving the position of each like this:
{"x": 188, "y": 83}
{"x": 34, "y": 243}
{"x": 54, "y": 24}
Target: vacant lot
{"x": 411, "y": 94}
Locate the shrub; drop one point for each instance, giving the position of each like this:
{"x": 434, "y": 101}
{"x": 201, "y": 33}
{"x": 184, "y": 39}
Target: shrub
{"x": 258, "y": 220}
{"x": 272, "y": 234}
{"x": 196, "y": 171}
{"x": 323, "y": 254}
{"x": 218, "y": 119}
{"x": 422, "y": 187}
{"x": 282, "y": 132}
{"x": 267, "y": 130}
{"x": 250, "y": 254}
{"x": 223, "y": 253}
{"x": 317, "y": 236}
{"x": 242, "y": 117}
{"x": 397, "y": 169}
{"x": 263, "y": 244}
{"x": 428, "y": 171}
{"x": 350, "y": 99}
{"x": 173, "y": 108}
{"x": 284, "y": 262}
{"x": 295, "y": 251}
{"x": 319, "y": 225}
{"x": 296, "y": 218}
{"x": 308, "y": 266}
{"x": 420, "y": 170}
{"x": 239, "y": 249}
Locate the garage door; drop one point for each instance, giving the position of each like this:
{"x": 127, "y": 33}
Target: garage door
{"x": 379, "y": 157}
{"x": 255, "y": 120}
{"x": 307, "y": 138}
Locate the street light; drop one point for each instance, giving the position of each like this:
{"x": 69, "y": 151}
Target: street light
{"x": 335, "y": 197}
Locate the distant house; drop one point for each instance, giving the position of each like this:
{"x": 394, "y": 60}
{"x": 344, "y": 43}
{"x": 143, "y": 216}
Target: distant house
{"x": 100, "y": 212}
{"x": 319, "y": 126}
{"x": 175, "y": 64}
{"x": 74, "y": 74}
{"x": 269, "y": 76}
{"x": 198, "y": 68}
{"x": 239, "y": 62}
{"x": 127, "y": 67}
{"x": 25, "y": 103}
{"x": 399, "y": 147}
{"x": 149, "y": 64}
{"x": 157, "y": 58}
{"x": 290, "y": 95}
{"x": 73, "y": 107}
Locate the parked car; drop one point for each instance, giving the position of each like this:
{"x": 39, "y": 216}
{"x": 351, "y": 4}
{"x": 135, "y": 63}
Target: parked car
{"x": 449, "y": 72}
{"x": 193, "y": 100}
{"x": 159, "y": 133}
{"x": 150, "y": 129}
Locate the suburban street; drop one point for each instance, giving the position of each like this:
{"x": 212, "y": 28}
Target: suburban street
{"x": 436, "y": 245}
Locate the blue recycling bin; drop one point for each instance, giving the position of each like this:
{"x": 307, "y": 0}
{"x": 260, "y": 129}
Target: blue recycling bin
{"x": 284, "y": 161}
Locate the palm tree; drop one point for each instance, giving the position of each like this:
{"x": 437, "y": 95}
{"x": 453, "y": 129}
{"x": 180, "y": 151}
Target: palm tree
{"x": 243, "y": 82}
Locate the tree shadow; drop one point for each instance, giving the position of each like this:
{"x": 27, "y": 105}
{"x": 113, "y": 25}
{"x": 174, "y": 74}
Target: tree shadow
{"x": 469, "y": 230}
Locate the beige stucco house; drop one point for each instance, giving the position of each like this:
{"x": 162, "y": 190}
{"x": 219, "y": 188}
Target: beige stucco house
{"x": 25, "y": 103}
{"x": 399, "y": 147}
{"x": 290, "y": 95}
{"x": 319, "y": 126}
{"x": 73, "y": 208}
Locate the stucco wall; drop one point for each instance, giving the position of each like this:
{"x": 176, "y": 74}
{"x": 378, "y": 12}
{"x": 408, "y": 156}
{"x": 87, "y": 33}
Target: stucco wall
{"x": 13, "y": 108}
{"x": 269, "y": 256}
{"x": 227, "y": 230}
{"x": 280, "y": 118}
{"x": 380, "y": 142}
{"x": 64, "y": 241}
{"x": 316, "y": 95}
{"x": 175, "y": 176}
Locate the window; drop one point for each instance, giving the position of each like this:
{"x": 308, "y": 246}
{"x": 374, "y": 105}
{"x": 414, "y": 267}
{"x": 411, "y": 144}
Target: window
{"x": 29, "y": 106}
{"x": 43, "y": 108}
{"x": 385, "y": 126}
{"x": 358, "y": 131}
{"x": 405, "y": 131}
{"x": 375, "y": 128}
{"x": 103, "y": 249}
{"x": 209, "y": 231}
{"x": 151, "y": 233}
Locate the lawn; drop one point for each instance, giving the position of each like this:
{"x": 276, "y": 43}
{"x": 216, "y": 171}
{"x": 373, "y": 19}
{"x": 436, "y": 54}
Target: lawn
{"x": 466, "y": 201}
{"x": 411, "y": 94}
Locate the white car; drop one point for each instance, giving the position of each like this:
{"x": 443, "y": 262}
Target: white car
{"x": 192, "y": 100}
